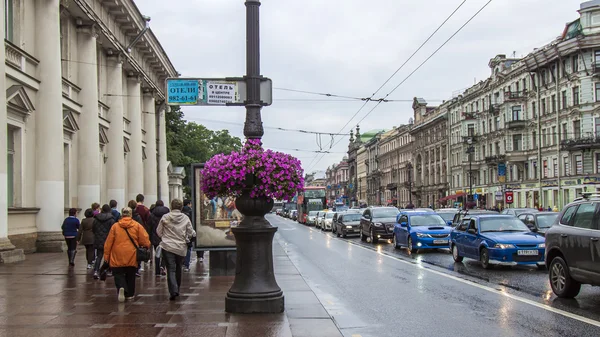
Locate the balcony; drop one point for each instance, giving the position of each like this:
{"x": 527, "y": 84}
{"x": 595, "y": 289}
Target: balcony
{"x": 516, "y": 124}
{"x": 493, "y": 160}
{"x": 515, "y": 95}
{"x": 580, "y": 144}
{"x": 392, "y": 186}
{"x": 494, "y": 109}
{"x": 469, "y": 115}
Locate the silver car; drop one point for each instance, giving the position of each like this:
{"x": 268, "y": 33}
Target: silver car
{"x": 327, "y": 221}
{"x": 311, "y": 218}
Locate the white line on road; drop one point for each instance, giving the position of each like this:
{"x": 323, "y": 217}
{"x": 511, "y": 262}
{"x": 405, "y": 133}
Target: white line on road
{"x": 480, "y": 286}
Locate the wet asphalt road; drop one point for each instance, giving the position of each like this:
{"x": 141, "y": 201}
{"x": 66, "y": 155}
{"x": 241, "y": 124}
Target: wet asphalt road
{"x": 376, "y": 290}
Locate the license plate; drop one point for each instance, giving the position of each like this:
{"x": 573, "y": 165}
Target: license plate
{"x": 527, "y": 252}
{"x": 440, "y": 242}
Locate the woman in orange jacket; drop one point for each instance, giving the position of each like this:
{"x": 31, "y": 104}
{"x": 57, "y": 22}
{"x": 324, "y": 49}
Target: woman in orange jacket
{"x": 120, "y": 252}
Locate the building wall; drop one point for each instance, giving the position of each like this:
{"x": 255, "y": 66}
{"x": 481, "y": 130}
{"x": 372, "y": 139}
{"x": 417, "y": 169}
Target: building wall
{"x": 72, "y": 96}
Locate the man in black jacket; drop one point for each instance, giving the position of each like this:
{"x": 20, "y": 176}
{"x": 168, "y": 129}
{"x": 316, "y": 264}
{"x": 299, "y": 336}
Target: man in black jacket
{"x": 102, "y": 225}
{"x": 156, "y": 214}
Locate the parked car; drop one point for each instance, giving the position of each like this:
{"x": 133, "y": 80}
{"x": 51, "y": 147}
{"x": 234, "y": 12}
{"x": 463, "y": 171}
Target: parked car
{"x": 319, "y": 218}
{"x": 311, "y": 218}
{"x": 518, "y": 211}
{"x": 573, "y": 248}
{"x": 327, "y": 221}
{"x": 421, "y": 230}
{"x": 378, "y": 223}
{"x": 497, "y": 239}
{"x": 347, "y": 224}
{"x": 294, "y": 215}
{"x": 539, "y": 222}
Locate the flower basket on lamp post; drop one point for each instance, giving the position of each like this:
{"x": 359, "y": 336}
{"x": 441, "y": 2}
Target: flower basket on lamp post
{"x": 255, "y": 177}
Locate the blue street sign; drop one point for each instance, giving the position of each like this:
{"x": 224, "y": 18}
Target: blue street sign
{"x": 476, "y": 196}
{"x": 501, "y": 169}
{"x": 184, "y": 92}
{"x": 350, "y": 186}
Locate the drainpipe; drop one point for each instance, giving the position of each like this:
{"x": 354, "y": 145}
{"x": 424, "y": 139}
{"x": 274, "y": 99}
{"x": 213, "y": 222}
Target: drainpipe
{"x": 560, "y": 201}
{"x": 539, "y": 129}
{"x": 139, "y": 36}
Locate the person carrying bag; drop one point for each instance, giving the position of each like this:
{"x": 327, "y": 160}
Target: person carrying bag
{"x": 126, "y": 245}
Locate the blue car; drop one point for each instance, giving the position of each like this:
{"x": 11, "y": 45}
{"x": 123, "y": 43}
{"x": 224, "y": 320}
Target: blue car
{"x": 497, "y": 239}
{"x": 421, "y": 230}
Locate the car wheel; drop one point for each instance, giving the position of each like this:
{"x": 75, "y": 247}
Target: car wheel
{"x": 410, "y": 247}
{"x": 395, "y": 242}
{"x": 560, "y": 279}
{"x": 374, "y": 239}
{"x": 484, "y": 258}
{"x": 455, "y": 256}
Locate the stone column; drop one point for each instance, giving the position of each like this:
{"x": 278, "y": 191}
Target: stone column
{"x": 135, "y": 169}
{"x": 49, "y": 177}
{"x": 150, "y": 166}
{"x": 163, "y": 178}
{"x": 115, "y": 163}
{"x": 88, "y": 160}
{"x": 8, "y": 253}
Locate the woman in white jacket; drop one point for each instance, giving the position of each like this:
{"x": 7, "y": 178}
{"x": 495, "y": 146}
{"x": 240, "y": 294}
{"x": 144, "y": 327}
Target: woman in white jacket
{"x": 174, "y": 229}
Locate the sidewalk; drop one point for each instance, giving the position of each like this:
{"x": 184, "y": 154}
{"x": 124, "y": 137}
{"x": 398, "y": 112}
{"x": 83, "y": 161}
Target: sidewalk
{"x": 42, "y": 296}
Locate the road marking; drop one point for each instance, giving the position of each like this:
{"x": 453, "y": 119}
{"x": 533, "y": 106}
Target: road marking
{"x": 480, "y": 286}
{"x": 356, "y": 336}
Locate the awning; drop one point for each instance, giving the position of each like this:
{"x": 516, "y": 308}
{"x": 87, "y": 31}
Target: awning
{"x": 454, "y": 196}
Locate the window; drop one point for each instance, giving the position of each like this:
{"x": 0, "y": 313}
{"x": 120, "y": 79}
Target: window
{"x": 575, "y": 64}
{"x": 483, "y": 126}
{"x": 597, "y": 87}
{"x": 578, "y": 164}
{"x": 9, "y": 20}
{"x": 567, "y": 166}
{"x": 516, "y": 113}
{"x": 564, "y": 99}
{"x": 575, "y": 95}
{"x": 483, "y": 151}
{"x": 597, "y": 127}
{"x": 524, "y": 84}
{"x": 11, "y": 167}
{"x": 543, "y": 106}
{"x": 576, "y": 129}
{"x": 497, "y": 124}
{"x": 597, "y": 162}
{"x": 553, "y": 103}
{"x": 568, "y": 215}
{"x": 564, "y": 131}
{"x": 517, "y": 142}
{"x": 545, "y": 165}
{"x": 534, "y": 139}
{"x": 554, "y": 135}
{"x": 555, "y": 165}
{"x": 544, "y": 140}
{"x": 533, "y": 110}
{"x": 563, "y": 68}
{"x": 584, "y": 216}
{"x": 470, "y": 130}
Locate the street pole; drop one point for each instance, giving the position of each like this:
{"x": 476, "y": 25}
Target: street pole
{"x": 409, "y": 166}
{"x": 254, "y": 288}
{"x": 470, "y": 176}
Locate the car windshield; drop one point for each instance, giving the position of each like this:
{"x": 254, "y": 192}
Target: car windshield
{"x": 427, "y": 220}
{"x": 312, "y": 213}
{"x": 385, "y": 213}
{"x": 524, "y": 210}
{"x": 447, "y": 216}
{"x": 546, "y": 220}
{"x": 329, "y": 215}
{"x": 351, "y": 217}
{"x": 503, "y": 224}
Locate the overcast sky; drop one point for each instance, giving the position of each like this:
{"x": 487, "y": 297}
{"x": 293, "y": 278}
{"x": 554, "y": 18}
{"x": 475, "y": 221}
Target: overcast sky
{"x": 346, "y": 47}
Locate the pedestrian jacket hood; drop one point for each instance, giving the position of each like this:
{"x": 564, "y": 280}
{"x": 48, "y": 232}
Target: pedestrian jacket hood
{"x": 175, "y": 229}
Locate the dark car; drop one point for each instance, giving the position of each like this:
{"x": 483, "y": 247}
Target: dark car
{"x": 539, "y": 222}
{"x": 348, "y": 224}
{"x": 378, "y": 223}
{"x": 573, "y": 248}
{"x": 447, "y": 214}
{"x": 518, "y": 211}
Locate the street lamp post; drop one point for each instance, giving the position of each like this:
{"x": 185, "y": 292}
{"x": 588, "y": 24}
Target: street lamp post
{"x": 470, "y": 150}
{"x": 409, "y": 167}
{"x": 254, "y": 288}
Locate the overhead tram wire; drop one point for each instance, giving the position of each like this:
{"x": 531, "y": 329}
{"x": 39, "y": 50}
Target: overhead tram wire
{"x": 345, "y": 98}
{"x": 269, "y": 127}
{"x": 389, "y": 78}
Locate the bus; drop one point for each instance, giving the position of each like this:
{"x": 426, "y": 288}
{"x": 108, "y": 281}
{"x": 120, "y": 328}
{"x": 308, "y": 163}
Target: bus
{"x": 277, "y": 204}
{"x": 311, "y": 199}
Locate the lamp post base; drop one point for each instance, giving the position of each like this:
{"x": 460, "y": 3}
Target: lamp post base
{"x": 254, "y": 289}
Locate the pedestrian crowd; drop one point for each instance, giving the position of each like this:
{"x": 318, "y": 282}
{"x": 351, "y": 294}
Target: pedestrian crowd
{"x": 120, "y": 244}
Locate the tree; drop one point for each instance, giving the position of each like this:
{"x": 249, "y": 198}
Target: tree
{"x": 189, "y": 142}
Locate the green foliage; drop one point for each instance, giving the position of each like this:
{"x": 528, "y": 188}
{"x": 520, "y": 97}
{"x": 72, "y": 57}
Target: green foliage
{"x": 189, "y": 142}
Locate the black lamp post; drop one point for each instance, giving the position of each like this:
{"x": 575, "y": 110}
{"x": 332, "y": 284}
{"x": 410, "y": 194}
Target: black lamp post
{"x": 254, "y": 288}
{"x": 470, "y": 151}
{"x": 409, "y": 167}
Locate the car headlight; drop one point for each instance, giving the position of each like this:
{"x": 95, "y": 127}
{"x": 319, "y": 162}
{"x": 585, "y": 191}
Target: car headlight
{"x": 421, "y": 235}
{"x": 349, "y": 227}
{"x": 542, "y": 245}
{"x": 378, "y": 224}
{"x": 504, "y": 246}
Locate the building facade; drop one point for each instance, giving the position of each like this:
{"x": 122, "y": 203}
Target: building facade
{"x": 534, "y": 123}
{"x": 84, "y": 113}
{"x": 429, "y": 148}
{"x": 395, "y": 156}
